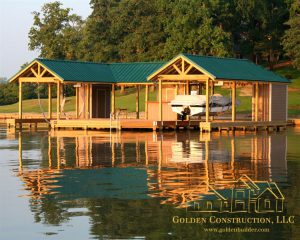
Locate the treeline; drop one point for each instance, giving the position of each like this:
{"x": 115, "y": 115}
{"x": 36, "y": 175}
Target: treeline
{"x": 142, "y": 30}
{"x": 9, "y": 92}
{"x": 264, "y": 31}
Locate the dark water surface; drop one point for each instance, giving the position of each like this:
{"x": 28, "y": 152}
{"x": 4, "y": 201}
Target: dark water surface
{"x": 130, "y": 185}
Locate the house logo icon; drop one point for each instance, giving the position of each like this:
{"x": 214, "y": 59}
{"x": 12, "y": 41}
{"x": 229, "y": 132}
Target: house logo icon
{"x": 245, "y": 195}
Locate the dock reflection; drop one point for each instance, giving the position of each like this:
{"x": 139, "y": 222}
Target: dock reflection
{"x": 168, "y": 166}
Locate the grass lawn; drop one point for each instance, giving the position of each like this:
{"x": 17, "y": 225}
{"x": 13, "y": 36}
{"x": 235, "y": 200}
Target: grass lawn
{"x": 294, "y": 89}
{"x": 127, "y": 100}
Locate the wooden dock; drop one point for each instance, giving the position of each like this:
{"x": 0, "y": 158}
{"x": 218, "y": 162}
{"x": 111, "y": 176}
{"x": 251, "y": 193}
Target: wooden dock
{"x": 142, "y": 124}
{"x": 242, "y": 125}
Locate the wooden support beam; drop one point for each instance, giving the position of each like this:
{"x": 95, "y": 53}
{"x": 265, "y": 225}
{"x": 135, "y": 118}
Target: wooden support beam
{"x": 212, "y": 88}
{"x": 160, "y": 111}
{"x": 49, "y": 101}
{"x": 34, "y": 72}
{"x": 20, "y": 100}
{"x": 43, "y": 72}
{"x": 182, "y": 66}
{"x": 90, "y": 100}
{"x": 207, "y": 101}
{"x": 137, "y": 102}
{"x": 176, "y": 89}
{"x": 233, "y": 101}
{"x": 187, "y": 88}
{"x": 58, "y": 101}
{"x": 177, "y": 69}
{"x": 256, "y": 102}
{"x": 77, "y": 102}
{"x": 146, "y": 101}
{"x": 38, "y": 79}
{"x": 113, "y": 100}
{"x": 87, "y": 97}
{"x": 173, "y": 77}
{"x": 188, "y": 69}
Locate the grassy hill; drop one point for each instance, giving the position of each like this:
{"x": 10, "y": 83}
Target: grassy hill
{"x": 127, "y": 100}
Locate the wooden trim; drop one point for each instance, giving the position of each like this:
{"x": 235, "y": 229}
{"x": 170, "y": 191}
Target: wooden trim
{"x": 172, "y": 77}
{"x": 113, "y": 100}
{"x": 49, "y": 101}
{"x": 160, "y": 101}
{"x": 38, "y": 79}
{"x": 207, "y": 101}
{"x": 20, "y": 100}
{"x": 233, "y": 101}
{"x": 34, "y": 72}
{"x": 146, "y": 101}
{"x": 174, "y": 60}
{"x": 90, "y": 101}
{"x": 256, "y": 102}
{"x": 177, "y": 69}
{"x": 77, "y": 102}
{"x": 188, "y": 69}
{"x": 137, "y": 102}
{"x": 58, "y": 101}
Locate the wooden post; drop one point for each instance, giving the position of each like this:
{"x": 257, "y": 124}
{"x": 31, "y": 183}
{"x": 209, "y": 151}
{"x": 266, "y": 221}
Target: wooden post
{"x": 49, "y": 101}
{"x": 146, "y": 101}
{"x": 113, "y": 100}
{"x": 187, "y": 88}
{"x": 160, "y": 109}
{"x": 212, "y": 88}
{"x": 87, "y": 97}
{"x": 20, "y": 151}
{"x": 207, "y": 101}
{"x": 77, "y": 102}
{"x": 176, "y": 89}
{"x": 200, "y": 88}
{"x": 137, "y": 102}
{"x": 20, "y": 100}
{"x": 58, "y": 101}
{"x": 256, "y": 102}
{"x": 90, "y": 101}
{"x": 233, "y": 100}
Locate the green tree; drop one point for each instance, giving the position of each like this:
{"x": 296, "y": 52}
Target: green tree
{"x": 56, "y": 32}
{"x": 191, "y": 29}
{"x": 291, "y": 39}
{"x": 258, "y": 28}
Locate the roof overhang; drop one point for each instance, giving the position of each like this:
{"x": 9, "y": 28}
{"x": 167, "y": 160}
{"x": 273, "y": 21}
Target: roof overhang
{"x": 181, "y": 72}
{"x": 36, "y": 72}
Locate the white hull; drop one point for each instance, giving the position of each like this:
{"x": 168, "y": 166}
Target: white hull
{"x": 196, "y": 104}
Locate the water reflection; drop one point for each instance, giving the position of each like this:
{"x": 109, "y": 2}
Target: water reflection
{"x": 134, "y": 166}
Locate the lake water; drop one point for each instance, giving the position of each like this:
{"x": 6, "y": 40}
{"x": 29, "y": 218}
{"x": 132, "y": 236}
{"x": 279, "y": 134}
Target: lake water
{"x": 132, "y": 185}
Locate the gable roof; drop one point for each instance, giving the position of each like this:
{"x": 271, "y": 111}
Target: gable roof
{"x": 79, "y": 71}
{"x": 138, "y": 72}
{"x": 234, "y": 69}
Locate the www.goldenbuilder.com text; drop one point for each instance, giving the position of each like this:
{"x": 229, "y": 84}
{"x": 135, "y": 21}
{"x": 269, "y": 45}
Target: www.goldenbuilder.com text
{"x": 236, "y": 230}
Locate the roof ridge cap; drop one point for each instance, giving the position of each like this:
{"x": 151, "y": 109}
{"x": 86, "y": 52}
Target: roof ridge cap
{"x": 225, "y": 58}
{"x": 71, "y": 61}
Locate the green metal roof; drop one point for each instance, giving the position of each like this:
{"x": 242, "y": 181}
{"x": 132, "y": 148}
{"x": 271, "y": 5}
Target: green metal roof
{"x": 79, "y": 71}
{"x": 100, "y": 72}
{"x": 133, "y": 72}
{"x": 220, "y": 68}
{"x": 235, "y": 69}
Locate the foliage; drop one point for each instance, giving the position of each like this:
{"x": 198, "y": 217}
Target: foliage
{"x": 55, "y": 32}
{"x": 291, "y": 39}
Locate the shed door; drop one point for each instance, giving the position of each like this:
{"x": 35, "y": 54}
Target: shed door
{"x": 101, "y": 102}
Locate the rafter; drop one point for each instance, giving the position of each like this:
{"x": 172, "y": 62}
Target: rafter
{"x": 188, "y": 69}
{"x": 177, "y": 69}
{"x": 200, "y": 77}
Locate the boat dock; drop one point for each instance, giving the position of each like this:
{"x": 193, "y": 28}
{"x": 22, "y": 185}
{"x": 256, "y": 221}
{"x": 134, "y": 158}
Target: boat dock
{"x": 143, "y": 124}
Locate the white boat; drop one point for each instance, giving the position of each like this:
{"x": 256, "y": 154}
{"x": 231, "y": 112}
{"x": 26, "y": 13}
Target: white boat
{"x": 195, "y": 104}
